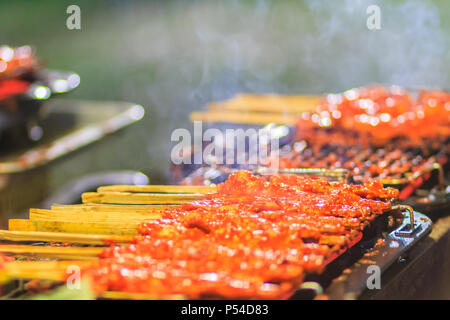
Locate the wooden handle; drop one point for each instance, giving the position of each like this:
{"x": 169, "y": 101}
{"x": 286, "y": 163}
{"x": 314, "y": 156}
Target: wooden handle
{"x": 122, "y": 208}
{"x": 138, "y": 198}
{"x": 158, "y": 189}
{"x": 43, "y": 270}
{"x": 21, "y": 225}
{"x": 244, "y": 118}
{"x": 295, "y": 104}
{"x": 86, "y": 216}
{"x": 43, "y": 252}
{"x": 91, "y": 239}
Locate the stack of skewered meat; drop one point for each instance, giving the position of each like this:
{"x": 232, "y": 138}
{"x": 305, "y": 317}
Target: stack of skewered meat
{"x": 253, "y": 237}
{"x": 375, "y": 133}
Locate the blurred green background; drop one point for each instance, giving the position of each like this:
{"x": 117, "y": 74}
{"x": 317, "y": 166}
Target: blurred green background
{"x": 175, "y": 56}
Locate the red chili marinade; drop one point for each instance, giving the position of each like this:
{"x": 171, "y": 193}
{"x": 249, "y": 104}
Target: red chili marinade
{"x": 17, "y": 65}
{"x": 9, "y": 88}
{"x": 252, "y": 239}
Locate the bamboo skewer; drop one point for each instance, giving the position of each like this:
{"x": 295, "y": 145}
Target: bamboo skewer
{"x": 114, "y": 228}
{"x": 158, "y": 189}
{"x": 244, "y": 118}
{"x": 86, "y": 216}
{"x": 117, "y": 295}
{"x": 138, "y": 198}
{"x": 268, "y": 103}
{"x": 21, "y": 225}
{"x": 89, "y": 219}
{"x": 43, "y": 270}
{"x": 341, "y": 174}
{"x": 49, "y": 224}
{"x": 43, "y": 252}
{"x": 91, "y": 239}
{"x": 122, "y": 208}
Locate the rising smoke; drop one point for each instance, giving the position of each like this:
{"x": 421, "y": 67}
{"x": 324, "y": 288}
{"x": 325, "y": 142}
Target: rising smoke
{"x": 176, "y": 56}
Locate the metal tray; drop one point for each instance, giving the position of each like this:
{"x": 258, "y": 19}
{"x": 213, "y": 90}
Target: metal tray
{"x": 81, "y": 123}
{"x": 347, "y": 276}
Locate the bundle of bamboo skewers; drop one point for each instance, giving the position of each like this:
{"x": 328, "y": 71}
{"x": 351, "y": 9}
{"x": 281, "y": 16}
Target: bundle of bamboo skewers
{"x": 77, "y": 234}
{"x": 111, "y": 215}
{"x": 258, "y": 109}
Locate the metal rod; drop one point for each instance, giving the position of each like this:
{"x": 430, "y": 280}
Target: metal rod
{"x": 341, "y": 174}
{"x": 410, "y": 210}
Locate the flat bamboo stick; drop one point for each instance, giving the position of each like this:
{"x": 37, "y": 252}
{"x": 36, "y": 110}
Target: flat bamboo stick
{"x": 43, "y": 252}
{"x": 98, "y": 207}
{"x": 92, "y": 239}
{"x": 56, "y": 275}
{"x": 341, "y": 174}
{"x": 117, "y": 223}
{"x": 117, "y": 295}
{"x": 138, "y": 198}
{"x": 43, "y": 270}
{"x": 244, "y": 118}
{"x": 268, "y": 103}
{"x": 44, "y": 224}
{"x": 116, "y": 228}
{"x": 66, "y": 215}
{"x": 21, "y": 225}
{"x": 158, "y": 189}
{"x": 48, "y": 265}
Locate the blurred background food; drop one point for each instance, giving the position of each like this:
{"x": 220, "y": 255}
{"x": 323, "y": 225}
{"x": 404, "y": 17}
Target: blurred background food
{"x": 173, "y": 57}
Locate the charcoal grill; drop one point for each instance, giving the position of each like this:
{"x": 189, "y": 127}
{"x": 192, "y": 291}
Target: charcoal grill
{"x": 382, "y": 242}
